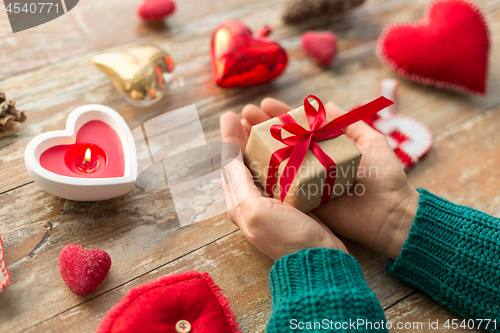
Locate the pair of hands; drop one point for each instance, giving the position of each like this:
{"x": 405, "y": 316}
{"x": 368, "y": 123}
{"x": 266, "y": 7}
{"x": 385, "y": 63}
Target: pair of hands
{"x": 380, "y": 218}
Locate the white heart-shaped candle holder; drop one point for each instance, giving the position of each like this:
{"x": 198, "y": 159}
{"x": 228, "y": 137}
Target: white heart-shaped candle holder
{"x": 84, "y": 187}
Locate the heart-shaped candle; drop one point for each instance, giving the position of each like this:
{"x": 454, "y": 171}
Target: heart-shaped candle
{"x": 93, "y": 159}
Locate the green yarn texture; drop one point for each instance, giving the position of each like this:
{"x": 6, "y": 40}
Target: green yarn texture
{"x": 315, "y": 285}
{"x": 453, "y": 254}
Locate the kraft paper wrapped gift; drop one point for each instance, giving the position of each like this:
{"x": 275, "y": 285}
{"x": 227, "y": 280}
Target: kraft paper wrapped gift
{"x": 306, "y": 190}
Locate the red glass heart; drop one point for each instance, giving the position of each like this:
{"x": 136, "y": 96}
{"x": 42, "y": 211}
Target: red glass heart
{"x": 107, "y": 158}
{"x": 241, "y": 59}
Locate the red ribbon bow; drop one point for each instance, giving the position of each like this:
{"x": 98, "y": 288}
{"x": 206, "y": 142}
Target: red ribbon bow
{"x": 301, "y": 140}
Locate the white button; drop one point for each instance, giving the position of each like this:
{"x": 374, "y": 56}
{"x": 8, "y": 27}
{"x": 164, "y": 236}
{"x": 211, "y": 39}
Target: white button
{"x": 183, "y": 326}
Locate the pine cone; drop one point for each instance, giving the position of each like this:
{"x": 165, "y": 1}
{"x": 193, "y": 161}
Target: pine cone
{"x": 8, "y": 112}
{"x": 300, "y": 10}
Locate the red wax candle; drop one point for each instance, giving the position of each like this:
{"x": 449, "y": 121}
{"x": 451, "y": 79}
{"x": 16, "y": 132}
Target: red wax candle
{"x": 97, "y": 153}
{"x": 85, "y": 159}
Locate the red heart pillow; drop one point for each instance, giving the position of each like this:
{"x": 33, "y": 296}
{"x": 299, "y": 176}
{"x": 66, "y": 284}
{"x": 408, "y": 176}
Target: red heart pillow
{"x": 447, "y": 48}
{"x": 241, "y": 59}
{"x": 187, "y": 302}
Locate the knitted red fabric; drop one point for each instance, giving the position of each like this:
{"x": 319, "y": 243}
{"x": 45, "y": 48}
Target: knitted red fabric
{"x": 447, "y": 48}
{"x": 4, "y": 272}
{"x": 157, "y": 307}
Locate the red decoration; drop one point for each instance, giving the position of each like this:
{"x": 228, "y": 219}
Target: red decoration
{"x": 159, "y": 306}
{"x": 410, "y": 139}
{"x": 155, "y": 10}
{"x": 241, "y": 59}
{"x": 301, "y": 140}
{"x": 83, "y": 270}
{"x": 108, "y": 159}
{"x": 320, "y": 46}
{"x": 4, "y": 272}
{"x": 447, "y": 48}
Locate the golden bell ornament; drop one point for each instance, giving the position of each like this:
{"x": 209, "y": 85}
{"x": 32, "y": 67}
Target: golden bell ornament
{"x": 142, "y": 74}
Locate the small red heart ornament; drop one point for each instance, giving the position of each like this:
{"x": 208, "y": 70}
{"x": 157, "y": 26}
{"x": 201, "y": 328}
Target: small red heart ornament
{"x": 321, "y": 46}
{"x": 241, "y": 59}
{"x": 83, "y": 270}
{"x": 187, "y": 302}
{"x": 155, "y": 10}
{"x": 447, "y": 48}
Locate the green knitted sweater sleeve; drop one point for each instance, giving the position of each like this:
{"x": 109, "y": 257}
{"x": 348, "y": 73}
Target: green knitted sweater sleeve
{"x": 322, "y": 290}
{"x": 453, "y": 254}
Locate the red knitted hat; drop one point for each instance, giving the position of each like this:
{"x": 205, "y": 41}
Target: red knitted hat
{"x": 187, "y": 302}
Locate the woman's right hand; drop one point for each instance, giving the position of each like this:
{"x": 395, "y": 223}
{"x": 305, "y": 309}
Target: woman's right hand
{"x": 382, "y": 216}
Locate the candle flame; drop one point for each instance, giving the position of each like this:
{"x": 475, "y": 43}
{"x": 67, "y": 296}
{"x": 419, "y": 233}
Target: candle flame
{"x": 88, "y": 155}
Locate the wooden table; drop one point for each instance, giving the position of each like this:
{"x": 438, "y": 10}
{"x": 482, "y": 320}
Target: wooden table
{"x": 48, "y": 71}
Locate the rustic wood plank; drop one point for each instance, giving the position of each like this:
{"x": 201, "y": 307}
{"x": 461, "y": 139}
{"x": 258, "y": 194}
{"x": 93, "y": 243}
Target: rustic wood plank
{"x": 462, "y": 168}
{"x": 454, "y": 143}
{"x": 420, "y": 313}
{"x": 27, "y": 205}
{"x": 49, "y": 94}
{"x": 236, "y": 266}
{"x": 81, "y": 30}
{"x": 76, "y": 82}
{"x": 462, "y": 165}
{"x": 140, "y": 231}
{"x": 387, "y": 288}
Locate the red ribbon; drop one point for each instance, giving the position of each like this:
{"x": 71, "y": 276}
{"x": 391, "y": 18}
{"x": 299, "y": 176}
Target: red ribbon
{"x": 301, "y": 140}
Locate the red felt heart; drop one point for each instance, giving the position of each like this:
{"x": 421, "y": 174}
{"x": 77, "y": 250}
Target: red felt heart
{"x": 83, "y": 270}
{"x": 447, "y": 48}
{"x": 94, "y": 133}
{"x": 320, "y": 46}
{"x": 155, "y": 10}
{"x": 158, "y": 306}
{"x": 242, "y": 59}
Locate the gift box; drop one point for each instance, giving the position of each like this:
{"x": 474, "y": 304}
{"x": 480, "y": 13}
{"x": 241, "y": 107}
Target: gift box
{"x": 303, "y": 158}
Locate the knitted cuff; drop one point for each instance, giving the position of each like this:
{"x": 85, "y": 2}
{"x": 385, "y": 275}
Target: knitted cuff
{"x": 313, "y": 269}
{"x": 453, "y": 254}
{"x": 322, "y": 286}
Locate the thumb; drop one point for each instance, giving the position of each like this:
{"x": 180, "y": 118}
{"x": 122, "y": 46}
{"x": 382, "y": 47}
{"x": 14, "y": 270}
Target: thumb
{"x": 333, "y": 110}
{"x": 239, "y": 183}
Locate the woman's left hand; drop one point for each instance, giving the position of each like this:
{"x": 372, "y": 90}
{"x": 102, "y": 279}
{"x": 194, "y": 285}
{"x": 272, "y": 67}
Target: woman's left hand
{"x": 275, "y": 229}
